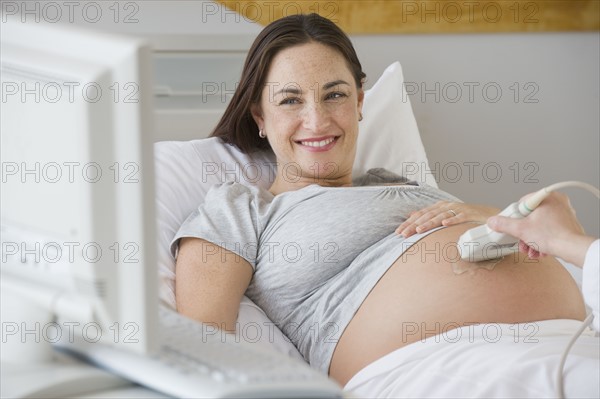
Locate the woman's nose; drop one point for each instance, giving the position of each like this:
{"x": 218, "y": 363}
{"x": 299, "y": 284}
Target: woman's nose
{"x": 316, "y": 117}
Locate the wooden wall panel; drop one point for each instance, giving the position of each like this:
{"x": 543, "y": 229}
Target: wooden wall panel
{"x": 434, "y": 16}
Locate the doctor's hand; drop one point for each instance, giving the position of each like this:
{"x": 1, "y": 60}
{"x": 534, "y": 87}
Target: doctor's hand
{"x": 552, "y": 228}
{"x": 444, "y": 213}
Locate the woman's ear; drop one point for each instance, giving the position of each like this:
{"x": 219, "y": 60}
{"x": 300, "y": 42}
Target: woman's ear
{"x": 361, "y": 98}
{"x": 256, "y": 112}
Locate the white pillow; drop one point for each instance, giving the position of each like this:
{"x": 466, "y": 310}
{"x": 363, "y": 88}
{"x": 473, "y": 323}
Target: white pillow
{"x": 185, "y": 171}
{"x": 388, "y": 134}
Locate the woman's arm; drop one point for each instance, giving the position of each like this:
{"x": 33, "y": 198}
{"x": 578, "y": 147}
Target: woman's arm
{"x": 210, "y": 282}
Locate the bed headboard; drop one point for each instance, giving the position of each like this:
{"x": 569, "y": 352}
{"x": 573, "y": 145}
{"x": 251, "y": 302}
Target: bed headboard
{"x": 195, "y": 76}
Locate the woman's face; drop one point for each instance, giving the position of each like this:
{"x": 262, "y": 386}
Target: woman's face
{"x": 309, "y": 111}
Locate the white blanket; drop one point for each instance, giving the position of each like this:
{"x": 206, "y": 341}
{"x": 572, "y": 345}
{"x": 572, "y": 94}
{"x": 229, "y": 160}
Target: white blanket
{"x": 487, "y": 360}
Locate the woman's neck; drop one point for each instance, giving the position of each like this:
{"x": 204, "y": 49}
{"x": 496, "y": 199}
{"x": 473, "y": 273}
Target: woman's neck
{"x": 285, "y": 182}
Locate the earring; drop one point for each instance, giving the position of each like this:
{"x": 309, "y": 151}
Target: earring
{"x": 360, "y": 118}
{"x": 261, "y": 134}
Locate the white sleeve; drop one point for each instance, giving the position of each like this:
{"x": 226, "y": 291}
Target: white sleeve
{"x": 591, "y": 281}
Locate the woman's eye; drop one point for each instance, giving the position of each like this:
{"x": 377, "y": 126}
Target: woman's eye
{"x": 335, "y": 95}
{"x": 289, "y": 100}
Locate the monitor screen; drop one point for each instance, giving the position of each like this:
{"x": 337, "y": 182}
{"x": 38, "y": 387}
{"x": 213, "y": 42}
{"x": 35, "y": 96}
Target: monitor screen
{"x": 77, "y": 186}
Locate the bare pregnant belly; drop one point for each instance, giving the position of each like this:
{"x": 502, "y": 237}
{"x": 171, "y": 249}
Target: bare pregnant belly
{"x": 421, "y": 296}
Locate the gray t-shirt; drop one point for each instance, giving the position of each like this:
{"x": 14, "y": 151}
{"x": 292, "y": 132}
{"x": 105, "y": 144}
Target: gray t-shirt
{"x": 316, "y": 252}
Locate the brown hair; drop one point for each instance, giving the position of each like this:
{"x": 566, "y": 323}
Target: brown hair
{"x": 237, "y": 125}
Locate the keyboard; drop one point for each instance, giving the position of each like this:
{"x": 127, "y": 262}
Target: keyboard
{"x": 193, "y": 363}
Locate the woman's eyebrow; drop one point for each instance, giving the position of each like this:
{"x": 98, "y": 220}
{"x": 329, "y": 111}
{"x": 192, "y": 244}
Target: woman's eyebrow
{"x": 335, "y": 83}
{"x": 296, "y": 91}
{"x": 289, "y": 90}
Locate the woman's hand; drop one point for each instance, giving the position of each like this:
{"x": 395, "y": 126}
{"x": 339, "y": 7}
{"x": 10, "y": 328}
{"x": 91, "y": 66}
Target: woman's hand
{"x": 444, "y": 213}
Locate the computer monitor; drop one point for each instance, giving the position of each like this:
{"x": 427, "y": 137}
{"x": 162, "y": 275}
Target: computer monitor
{"x": 77, "y": 188}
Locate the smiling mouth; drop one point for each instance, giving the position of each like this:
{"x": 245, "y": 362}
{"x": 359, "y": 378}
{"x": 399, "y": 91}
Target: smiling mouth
{"x": 318, "y": 143}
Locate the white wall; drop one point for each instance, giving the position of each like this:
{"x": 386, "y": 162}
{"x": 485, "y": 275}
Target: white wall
{"x": 550, "y": 132}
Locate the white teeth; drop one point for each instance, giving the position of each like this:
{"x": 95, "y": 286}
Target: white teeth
{"x": 321, "y": 143}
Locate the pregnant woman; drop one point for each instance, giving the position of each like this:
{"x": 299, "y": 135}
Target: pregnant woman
{"x": 338, "y": 266}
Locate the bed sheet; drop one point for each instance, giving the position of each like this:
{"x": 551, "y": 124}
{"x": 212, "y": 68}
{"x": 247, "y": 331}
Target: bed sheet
{"x": 488, "y": 360}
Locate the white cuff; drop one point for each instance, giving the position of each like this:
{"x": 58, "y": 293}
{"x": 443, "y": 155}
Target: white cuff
{"x": 591, "y": 282}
